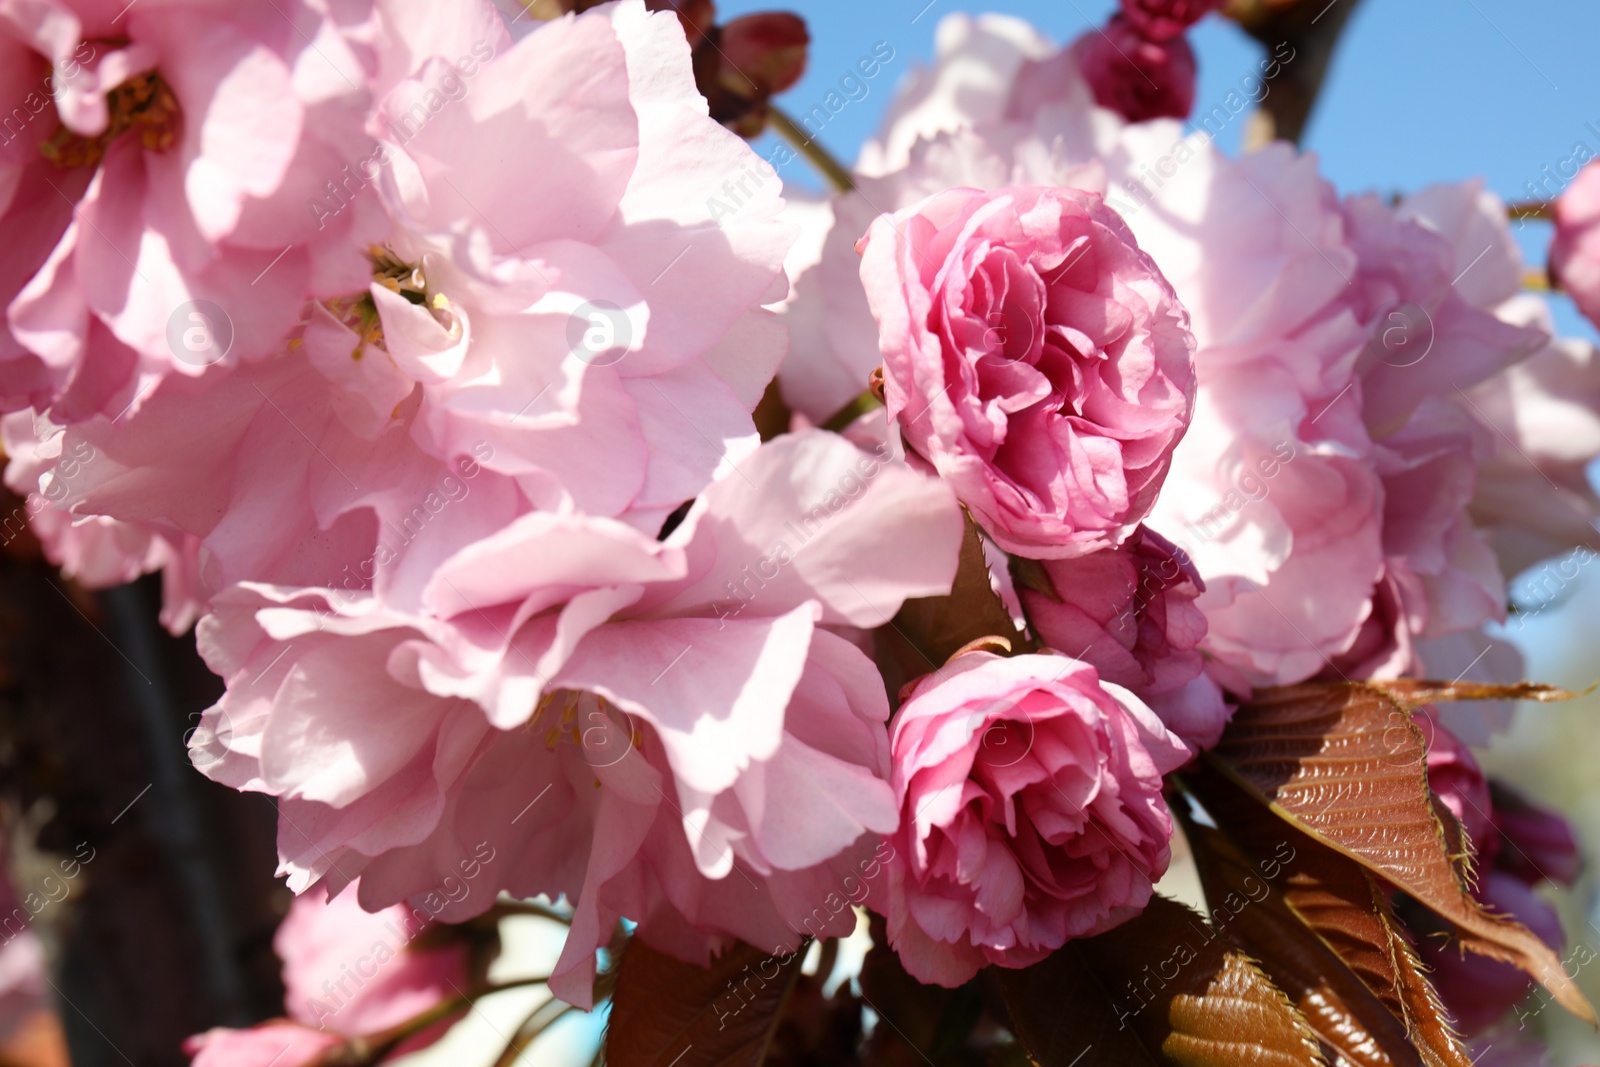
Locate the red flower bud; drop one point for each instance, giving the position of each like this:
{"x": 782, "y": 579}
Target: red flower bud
{"x": 744, "y": 63}
{"x": 1535, "y": 843}
{"x": 1134, "y": 76}
{"x": 1162, "y": 20}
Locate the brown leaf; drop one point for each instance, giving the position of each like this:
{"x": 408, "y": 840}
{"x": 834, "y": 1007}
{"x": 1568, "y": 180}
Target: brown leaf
{"x": 1338, "y": 900}
{"x": 1414, "y": 692}
{"x": 667, "y": 1013}
{"x": 937, "y": 627}
{"x": 1346, "y": 764}
{"x": 1249, "y": 905}
{"x": 1161, "y": 990}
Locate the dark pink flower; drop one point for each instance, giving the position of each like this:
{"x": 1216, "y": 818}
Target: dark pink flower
{"x": 1162, "y": 20}
{"x": 1477, "y": 990}
{"x": 1129, "y": 612}
{"x": 1458, "y": 782}
{"x": 1031, "y": 812}
{"x": 1535, "y": 843}
{"x": 1137, "y": 77}
{"x": 1035, "y": 357}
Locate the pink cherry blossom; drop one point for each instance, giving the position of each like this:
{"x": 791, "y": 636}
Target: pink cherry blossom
{"x": 1575, "y": 253}
{"x": 1035, "y": 357}
{"x": 96, "y": 551}
{"x": 1534, "y": 499}
{"x": 273, "y": 1044}
{"x": 358, "y": 972}
{"x": 190, "y": 140}
{"x": 456, "y": 392}
{"x": 1031, "y": 812}
{"x": 1316, "y": 446}
{"x": 689, "y": 677}
{"x": 1129, "y": 612}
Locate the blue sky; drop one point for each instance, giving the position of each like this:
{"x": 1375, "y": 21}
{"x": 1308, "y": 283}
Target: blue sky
{"x": 1421, "y": 91}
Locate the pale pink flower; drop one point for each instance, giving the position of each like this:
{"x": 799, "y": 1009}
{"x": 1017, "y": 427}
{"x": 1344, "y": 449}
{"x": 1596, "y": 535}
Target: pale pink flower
{"x": 192, "y": 139}
{"x": 690, "y": 677}
{"x": 637, "y": 301}
{"x": 93, "y": 550}
{"x": 1129, "y": 612}
{"x": 1035, "y": 357}
{"x": 1031, "y": 812}
{"x": 1534, "y": 499}
{"x": 358, "y": 972}
{"x": 1315, "y": 447}
{"x": 1575, "y": 253}
{"x": 461, "y": 389}
{"x": 280, "y": 1043}
{"x": 1274, "y": 490}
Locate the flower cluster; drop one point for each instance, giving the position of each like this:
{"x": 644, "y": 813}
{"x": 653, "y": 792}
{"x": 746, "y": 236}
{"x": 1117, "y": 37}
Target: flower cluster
{"x": 411, "y": 342}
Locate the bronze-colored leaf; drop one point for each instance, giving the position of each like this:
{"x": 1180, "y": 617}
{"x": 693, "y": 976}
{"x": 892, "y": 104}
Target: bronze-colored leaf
{"x": 1338, "y": 900}
{"x": 1414, "y": 692}
{"x": 937, "y": 627}
{"x": 1250, "y": 907}
{"x": 1161, "y": 990}
{"x": 667, "y": 1013}
{"x": 1346, "y": 764}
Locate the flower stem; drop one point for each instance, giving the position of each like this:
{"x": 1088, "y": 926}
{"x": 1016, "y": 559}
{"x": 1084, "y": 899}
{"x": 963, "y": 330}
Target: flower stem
{"x": 370, "y": 1048}
{"x": 836, "y": 173}
{"x": 1532, "y": 209}
{"x": 862, "y": 403}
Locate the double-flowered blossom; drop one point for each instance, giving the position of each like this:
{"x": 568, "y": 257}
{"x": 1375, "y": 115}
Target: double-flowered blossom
{"x": 600, "y": 356}
{"x": 1031, "y": 812}
{"x": 417, "y": 343}
{"x": 157, "y": 204}
{"x": 1343, "y": 488}
{"x": 1035, "y": 357}
{"x": 1130, "y": 613}
{"x": 665, "y": 730}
